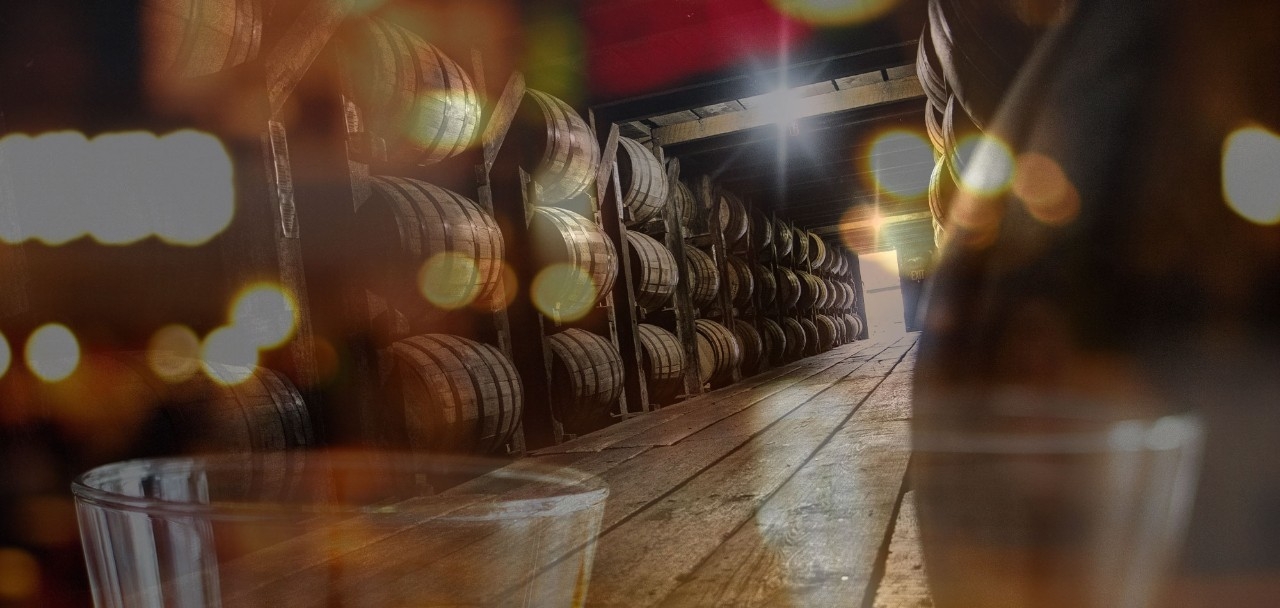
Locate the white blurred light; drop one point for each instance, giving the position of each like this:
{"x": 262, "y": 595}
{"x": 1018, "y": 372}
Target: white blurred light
{"x": 900, "y": 163}
{"x": 987, "y": 165}
{"x": 1251, "y": 174}
{"x": 229, "y": 355}
{"x": 52, "y": 352}
{"x": 6, "y": 355}
{"x": 174, "y": 353}
{"x": 117, "y": 188}
{"x": 265, "y": 314}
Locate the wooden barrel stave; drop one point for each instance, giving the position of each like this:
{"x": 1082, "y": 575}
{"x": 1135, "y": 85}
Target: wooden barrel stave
{"x": 427, "y": 221}
{"x": 663, "y": 361}
{"x": 752, "y": 345}
{"x": 812, "y": 343}
{"x": 643, "y": 181}
{"x": 788, "y": 288}
{"x": 733, "y": 218}
{"x": 704, "y": 279}
{"x": 191, "y": 38}
{"x": 774, "y": 339}
{"x": 827, "y": 332}
{"x": 570, "y": 154}
{"x": 817, "y": 251}
{"x": 795, "y": 338}
{"x": 587, "y": 377}
{"x": 560, "y": 236}
{"x": 454, "y": 394}
{"x": 784, "y": 239}
{"x": 718, "y": 351}
{"x": 653, "y": 271}
{"x": 766, "y": 284}
{"x": 741, "y": 281}
{"x": 413, "y": 96}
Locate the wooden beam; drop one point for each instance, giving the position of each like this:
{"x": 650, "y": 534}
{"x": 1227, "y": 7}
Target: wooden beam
{"x": 865, "y": 96}
{"x": 298, "y": 48}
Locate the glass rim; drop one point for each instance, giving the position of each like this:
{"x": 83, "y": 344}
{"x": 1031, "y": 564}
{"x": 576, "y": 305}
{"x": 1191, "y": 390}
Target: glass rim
{"x": 1084, "y": 430}
{"x": 574, "y": 490}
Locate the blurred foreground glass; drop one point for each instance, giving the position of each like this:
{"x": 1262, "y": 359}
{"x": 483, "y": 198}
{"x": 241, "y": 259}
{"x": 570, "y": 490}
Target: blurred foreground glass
{"x": 1048, "y": 505}
{"x": 337, "y": 529}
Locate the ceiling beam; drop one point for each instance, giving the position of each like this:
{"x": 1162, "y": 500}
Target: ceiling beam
{"x": 865, "y": 96}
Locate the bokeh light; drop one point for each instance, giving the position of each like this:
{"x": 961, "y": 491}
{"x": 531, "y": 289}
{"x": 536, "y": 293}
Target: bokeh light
{"x": 47, "y": 520}
{"x": 52, "y": 352}
{"x": 455, "y": 105}
{"x": 6, "y": 355}
{"x": 986, "y": 165}
{"x": 118, "y": 188}
{"x": 228, "y": 355}
{"x": 563, "y": 292}
{"x": 1251, "y": 174}
{"x": 173, "y": 353}
{"x": 265, "y": 314}
{"x": 449, "y": 280}
{"x": 834, "y": 12}
{"x": 19, "y": 575}
{"x": 900, "y": 163}
{"x": 1045, "y": 190}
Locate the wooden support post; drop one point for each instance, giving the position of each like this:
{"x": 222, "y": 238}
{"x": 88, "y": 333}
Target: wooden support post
{"x": 685, "y": 329}
{"x": 627, "y": 336}
{"x": 290, "y": 59}
{"x": 494, "y": 133}
{"x": 706, "y": 191}
{"x": 860, "y": 306}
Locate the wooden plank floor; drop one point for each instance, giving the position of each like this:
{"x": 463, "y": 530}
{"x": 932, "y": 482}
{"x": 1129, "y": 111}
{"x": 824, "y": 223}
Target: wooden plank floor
{"x": 780, "y": 490}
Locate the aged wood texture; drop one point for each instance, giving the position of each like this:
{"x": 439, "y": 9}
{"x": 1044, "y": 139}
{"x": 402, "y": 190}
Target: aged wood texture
{"x": 904, "y": 584}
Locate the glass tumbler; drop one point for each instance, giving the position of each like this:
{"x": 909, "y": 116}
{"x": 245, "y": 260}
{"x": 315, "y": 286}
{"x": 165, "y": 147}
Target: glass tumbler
{"x": 337, "y": 529}
{"x": 1051, "y": 504}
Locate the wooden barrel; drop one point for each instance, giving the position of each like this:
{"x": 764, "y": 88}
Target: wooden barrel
{"x": 404, "y": 228}
{"x": 788, "y": 288}
{"x": 586, "y": 379}
{"x": 413, "y": 96}
{"x": 841, "y": 263}
{"x": 752, "y": 346}
{"x": 568, "y": 156}
{"x": 842, "y": 330}
{"x": 718, "y": 351}
{"x": 189, "y": 38}
{"x": 643, "y": 181}
{"x": 733, "y": 218}
{"x": 559, "y": 236}
{"x": 682, "y": 198}
{"x": 245, "y": 410}
{"x": 784, "y": 238}
{"x": 942, "y": 188}
{"x": 823, "y": 300}
{"x": 766, "y": 285}
{"x": 761, "y": 232}
{"x": 795, "y": 338}
{"x": 743, "y": 283}
{"x": 663, "y": 360}
{"x": 810, "y": 290}
{"x": 453, "y": 394}
{"x": 817, "y": 250}
{"x": 827, "y": 332}
{"x": 704, "y": 279}
{"x": 854, "y": 324}
{"x": 812, "y": 343}
{"x": 851, "y": 296}
{"x": 653, "y": 271}
{"x": 800, "y": 246}
{"x": 774, "y": 340}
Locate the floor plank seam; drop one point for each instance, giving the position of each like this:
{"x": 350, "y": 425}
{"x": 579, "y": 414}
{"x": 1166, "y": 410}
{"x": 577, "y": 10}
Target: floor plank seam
{"x": 882, "y": 556}
{"x": 827, "y": 440}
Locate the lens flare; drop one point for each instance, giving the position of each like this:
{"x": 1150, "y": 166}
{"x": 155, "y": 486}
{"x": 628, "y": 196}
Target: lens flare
{"x": 265, "y": 314}
{"x": 19, "y": 575}
{"x": 986, "y": 165}
{"x": 449, "y": 280}
{"x": 6, "y": 355}
{"x": 117, "y": 188}
{"x": 174, "y": 353}
{"x": 1045, "y": 190}
{"x": 563, "y": 292}
{"x": 900, "y": 164}
{"x": 1251, "y": 174}
{"x": 503, "y": 294}
{"x": 52, "y": 352}
{"x": 834, "y": 12}
{"x": 229, "y": 355}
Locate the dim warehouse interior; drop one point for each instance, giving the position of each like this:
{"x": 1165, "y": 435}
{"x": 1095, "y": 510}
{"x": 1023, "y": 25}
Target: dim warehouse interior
{"x": 840, "y": 302}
